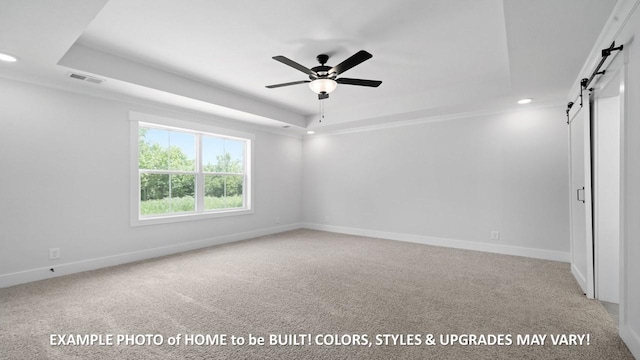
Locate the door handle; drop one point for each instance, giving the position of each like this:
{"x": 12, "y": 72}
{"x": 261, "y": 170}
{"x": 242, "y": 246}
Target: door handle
{"x": 578, "y": 194}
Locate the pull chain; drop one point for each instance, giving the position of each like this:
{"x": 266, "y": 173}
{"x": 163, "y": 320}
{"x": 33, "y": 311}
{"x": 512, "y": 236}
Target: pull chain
{"x": 321, "y": 110}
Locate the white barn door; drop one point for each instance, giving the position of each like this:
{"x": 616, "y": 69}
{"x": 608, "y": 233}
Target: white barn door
{"x": 581, "y": 209}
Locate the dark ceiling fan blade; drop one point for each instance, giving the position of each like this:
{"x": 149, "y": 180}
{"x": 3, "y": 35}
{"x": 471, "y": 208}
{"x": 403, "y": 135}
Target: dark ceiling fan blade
{"x": 287, "y": 84}
{"x": 355, "y": 59}
{"x": 361, "y": 82}
{"x": 294, "y": 65}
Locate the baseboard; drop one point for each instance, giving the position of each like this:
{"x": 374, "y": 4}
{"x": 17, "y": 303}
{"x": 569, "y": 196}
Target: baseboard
{"x": 26, "y": 276}
{"x": 631, "y": 339}
{"x": 102, "y": 262}
{"x": 452, "y": 243}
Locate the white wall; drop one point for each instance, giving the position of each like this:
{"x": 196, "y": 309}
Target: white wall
{"x": 630, "y": 232}
{"x": 447, "y": 182}
{"x": 65, "y": 183}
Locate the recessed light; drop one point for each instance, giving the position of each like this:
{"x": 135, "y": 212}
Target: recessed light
{"x": 7, "y": 58}
{"x": 311, "y": 132}
{"x": 524, "y": 101}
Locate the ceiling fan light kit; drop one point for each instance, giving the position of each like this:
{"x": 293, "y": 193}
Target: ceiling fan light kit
{"x": 320, "y": 86}
{"x": 324, "y": 79}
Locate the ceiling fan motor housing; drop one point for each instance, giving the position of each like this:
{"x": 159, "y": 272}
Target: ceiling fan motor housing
{"x": 322, "y": 72}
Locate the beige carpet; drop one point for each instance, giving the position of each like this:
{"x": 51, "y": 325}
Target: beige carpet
{"x": 317, "y": 283}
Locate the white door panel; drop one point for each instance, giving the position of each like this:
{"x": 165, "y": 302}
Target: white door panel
{"x": 581, "y": 213}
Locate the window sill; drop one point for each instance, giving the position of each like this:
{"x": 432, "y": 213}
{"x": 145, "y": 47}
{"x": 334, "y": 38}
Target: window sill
{"x": 174, "y": 218}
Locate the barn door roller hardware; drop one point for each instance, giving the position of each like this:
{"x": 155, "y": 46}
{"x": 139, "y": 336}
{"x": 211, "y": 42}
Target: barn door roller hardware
{"x": 605, "y": 54}
{"x": 584, "y": 83}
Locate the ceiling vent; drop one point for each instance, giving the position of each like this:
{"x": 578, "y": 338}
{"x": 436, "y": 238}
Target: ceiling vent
{"x": 86, "y": 78}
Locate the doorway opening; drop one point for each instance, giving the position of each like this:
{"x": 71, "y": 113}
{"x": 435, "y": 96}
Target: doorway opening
{"x": 606, "y": 157}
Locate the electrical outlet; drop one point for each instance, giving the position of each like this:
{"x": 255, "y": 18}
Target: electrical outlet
{"x": 495, "y": 235}
{"x": 326, "y": 218}
{"x": 277, "y": 219}
{"x": 54, "y": 253}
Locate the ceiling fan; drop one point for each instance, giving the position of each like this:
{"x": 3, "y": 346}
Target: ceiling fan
{"x": 324, "y": 79}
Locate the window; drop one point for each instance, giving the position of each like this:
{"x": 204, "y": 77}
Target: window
{"x": 188, "y": 174}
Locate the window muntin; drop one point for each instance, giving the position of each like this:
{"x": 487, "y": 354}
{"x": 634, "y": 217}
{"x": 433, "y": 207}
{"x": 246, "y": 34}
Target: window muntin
{"x": 185, "y": 172}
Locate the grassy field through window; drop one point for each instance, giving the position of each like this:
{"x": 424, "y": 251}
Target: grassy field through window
{"x": 187, "y": 204}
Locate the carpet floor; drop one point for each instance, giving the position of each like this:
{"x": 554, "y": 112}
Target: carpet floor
{"x": 323, "y": 295}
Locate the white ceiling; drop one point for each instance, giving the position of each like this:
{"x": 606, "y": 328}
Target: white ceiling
{"x": 434, "y": 57}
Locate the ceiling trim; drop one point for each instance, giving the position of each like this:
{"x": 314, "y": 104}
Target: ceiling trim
{"x": 447, "y": 117}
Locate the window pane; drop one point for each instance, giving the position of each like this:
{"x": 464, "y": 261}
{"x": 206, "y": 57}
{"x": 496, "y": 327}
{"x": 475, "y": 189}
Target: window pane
{"x": 213, "y": 154}
{"x": 182, "y": 193}
{"x": 222, "y": 155}
{"x": 223, "y": 192}
{"x": 154, "y": 186}
{"x": 214, "y": 192}
{"x": 153, "y": 145}
{"x": 183, "y": 186}
{"x": 182, "y": 151}
{"x": 165, "y": 194}
{"x": 234, "y": 185}
{"x": 234, "y": 149}
{"x": 166, "y": 150}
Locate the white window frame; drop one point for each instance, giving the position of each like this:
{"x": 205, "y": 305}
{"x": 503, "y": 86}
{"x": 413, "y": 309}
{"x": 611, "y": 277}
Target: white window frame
{"x": 154, "y": 121}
